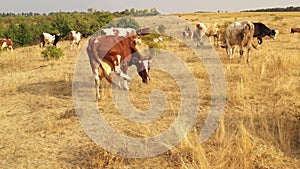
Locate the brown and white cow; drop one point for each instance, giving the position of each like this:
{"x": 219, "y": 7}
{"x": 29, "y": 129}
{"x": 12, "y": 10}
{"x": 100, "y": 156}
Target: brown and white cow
{"x": 6, "y": 43}
{"x": 211, "y": 30}
{"x": 293, "y": 30}
{"x": 47, "y": 38}
{"x": 74, "y": 38}
{"x": 239, "y": 34}
{"x": 115, "y": 54}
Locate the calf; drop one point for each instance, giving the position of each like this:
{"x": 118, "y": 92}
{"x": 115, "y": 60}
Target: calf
{"x": 47, "y": 38}
{"x": 239, "y": 34}
{"x": 6, "y": 43}
{"x": 293, "y": 30}
{"x": 261, "y": 30}
{"x": 74, "y": 38}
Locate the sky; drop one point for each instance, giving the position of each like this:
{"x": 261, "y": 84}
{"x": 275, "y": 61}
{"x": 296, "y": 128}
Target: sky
{"x": 163, "y": 6}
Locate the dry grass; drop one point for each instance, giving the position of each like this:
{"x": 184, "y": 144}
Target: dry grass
{"x": 259, "y": 129}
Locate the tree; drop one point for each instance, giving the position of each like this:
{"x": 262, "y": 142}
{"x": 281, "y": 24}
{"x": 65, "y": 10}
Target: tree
{"x": 62, "y": 24}
{"x": 127, "y": 23}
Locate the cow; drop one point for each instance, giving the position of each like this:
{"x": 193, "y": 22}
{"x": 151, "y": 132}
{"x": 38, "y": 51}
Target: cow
{"x": 208, "y": 29}
{"x": 111, "y": 53}
{"x": 261, "y": 30}
{"x": 187, "y": 33}
{"x": 199, "y": 33}
{"x": 239, "y": 34}
{"x": 146, "y": 31}
{"x": 6, "y": 43}
{"x": 293, "y": 30}
{"x": 74, "y": 38}
{"x": 125, "y": 32}
{"x": 47, "y": 38}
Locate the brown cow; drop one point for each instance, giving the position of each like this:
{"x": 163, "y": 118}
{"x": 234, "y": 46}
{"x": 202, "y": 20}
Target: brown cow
{"x": 293, "y": 30}
{"x": 118, "y": 53}
{"x": 6, "y": 43}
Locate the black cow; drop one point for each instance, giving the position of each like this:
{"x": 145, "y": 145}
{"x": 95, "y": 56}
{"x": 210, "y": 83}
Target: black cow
{"x": 261, "y": 30}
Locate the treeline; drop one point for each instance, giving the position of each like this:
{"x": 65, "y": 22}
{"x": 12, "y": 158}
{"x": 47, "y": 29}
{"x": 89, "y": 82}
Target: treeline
{"x": 287, "y": 9}
{"x": 135, "y": 12}
{"x": 126, "y": 12}
{"x": 25, "y": 28}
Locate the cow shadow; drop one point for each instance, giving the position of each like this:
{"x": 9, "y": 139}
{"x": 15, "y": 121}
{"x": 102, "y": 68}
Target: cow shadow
{"x": 59, "y": 89}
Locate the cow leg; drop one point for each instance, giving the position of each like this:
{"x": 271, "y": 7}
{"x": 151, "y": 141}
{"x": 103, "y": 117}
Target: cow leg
{"x": 248, "y": 55}
{"x": 216, "y": 43}
{"x": 118, "y": 79}
{"x": 71, "y": 44}
{"x": 230, "y": 51}
{"x": 118, "y": 65}
{"x": 241, "y": 55}
{"x": 97, "y": 84}
{"x": 126, "y": 85}
{"x": 260, "y": 41}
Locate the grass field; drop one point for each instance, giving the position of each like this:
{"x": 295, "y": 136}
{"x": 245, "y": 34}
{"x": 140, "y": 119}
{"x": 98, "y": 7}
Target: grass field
{"x": 260, "y": 127}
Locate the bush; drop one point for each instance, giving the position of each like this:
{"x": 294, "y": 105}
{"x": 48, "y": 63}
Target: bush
{"x": 52, "y": 52}
{"x": 161, "y": 29}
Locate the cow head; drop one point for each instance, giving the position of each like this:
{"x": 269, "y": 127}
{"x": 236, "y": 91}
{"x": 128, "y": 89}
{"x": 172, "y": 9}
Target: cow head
{"x": 142, "y": 65}
{"x": 274, "y": 34}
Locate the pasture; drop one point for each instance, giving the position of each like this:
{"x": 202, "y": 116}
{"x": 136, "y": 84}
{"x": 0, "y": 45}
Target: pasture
{"x": 259, "y": 129}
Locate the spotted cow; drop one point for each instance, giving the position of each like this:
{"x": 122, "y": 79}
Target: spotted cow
{"x": 239, "y": 34}
{"x": 6, "y": 43}
{"x": 111, "y": 53}
{"x": 74, "y": 38}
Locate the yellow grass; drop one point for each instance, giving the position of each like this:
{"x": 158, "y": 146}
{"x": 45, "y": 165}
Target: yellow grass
{"x": 259, "y": 128}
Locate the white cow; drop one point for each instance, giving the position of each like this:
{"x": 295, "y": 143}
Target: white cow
{"x": 239, "y": 34}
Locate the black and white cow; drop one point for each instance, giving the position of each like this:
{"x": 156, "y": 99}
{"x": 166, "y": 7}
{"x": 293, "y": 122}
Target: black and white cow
{"x": 261, "y": 30}
{"x": 47, "y": 38}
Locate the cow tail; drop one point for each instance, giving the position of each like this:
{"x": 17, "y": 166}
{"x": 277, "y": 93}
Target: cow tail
{"x": 253, "y": 45}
